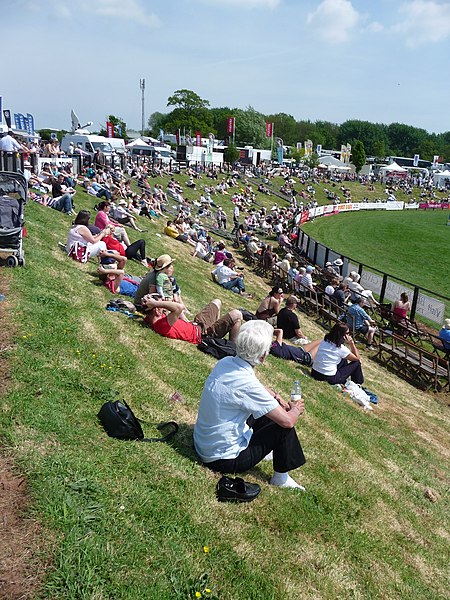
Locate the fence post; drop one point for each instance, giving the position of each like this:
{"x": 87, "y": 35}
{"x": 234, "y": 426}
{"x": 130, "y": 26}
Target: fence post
{"x": 414, "y": 303}
{"x": 383, "y": 287}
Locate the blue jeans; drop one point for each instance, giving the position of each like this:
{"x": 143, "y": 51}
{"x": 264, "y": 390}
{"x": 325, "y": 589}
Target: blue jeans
{"x": 63, "y": 204}
{"x": 235, "y": 285}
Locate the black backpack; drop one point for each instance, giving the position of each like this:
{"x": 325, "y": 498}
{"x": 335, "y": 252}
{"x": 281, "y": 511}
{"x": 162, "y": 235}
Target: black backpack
{"x": 217, "y": 347}
{"x": 120, "y": 422}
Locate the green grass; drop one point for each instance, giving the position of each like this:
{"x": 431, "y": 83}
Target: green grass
{"x": 411, "y": 245}
{"x": 131, "y": 521}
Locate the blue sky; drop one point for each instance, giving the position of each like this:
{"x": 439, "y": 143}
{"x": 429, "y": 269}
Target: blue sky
{"x": 378, "y": 60}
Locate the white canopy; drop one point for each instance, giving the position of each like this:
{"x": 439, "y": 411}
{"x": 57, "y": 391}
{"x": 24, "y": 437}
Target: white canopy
{"x": 393, "y": 168}
{"x": 441, "y": 177}
{"x": 138, "y": 142}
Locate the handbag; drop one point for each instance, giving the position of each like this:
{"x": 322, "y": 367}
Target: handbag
{"x": 79, "y": 252}
{"x": 119, "y": 422}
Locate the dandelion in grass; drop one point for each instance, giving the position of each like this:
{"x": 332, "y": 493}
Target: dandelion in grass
{"x": 102, "y": 366}
{"x": 198, "y": 595}
{"x": 207, "y": 591}
{"x": 206, "y": 549}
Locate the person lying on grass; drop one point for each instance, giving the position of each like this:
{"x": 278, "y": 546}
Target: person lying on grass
{"x": 166, "y": 318}
{"x": 240, "y": 422}
{"x": 304, "y": 355}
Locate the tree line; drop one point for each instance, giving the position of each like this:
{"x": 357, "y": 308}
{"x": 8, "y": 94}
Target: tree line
{"x": 191, "y": 113}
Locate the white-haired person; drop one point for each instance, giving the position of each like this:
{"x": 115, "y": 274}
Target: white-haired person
{"x": 240, "y": 421}
{"x": 357, "y": 290}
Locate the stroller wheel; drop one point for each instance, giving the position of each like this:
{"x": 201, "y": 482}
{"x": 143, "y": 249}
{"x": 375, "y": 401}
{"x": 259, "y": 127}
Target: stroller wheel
{"x": 22, "y": 261}
{"x": 12, "y": 261}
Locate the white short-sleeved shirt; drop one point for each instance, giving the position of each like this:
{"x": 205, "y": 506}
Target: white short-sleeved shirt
{"x": 328, "y": 357}
{"x": 231, "y": 394}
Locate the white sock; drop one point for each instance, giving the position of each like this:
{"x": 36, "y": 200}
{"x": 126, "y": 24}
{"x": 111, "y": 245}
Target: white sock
{"x": 285, "y": 480}
{"x": 269, "y": 456}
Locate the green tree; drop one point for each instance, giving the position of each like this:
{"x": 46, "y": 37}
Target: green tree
{"x": 285, "y": 127}
{"x": 187, "y": 100}
{"x": 231, "y": 154}
{"x": 358, "y": 155}
{"x": 251, "y": 128}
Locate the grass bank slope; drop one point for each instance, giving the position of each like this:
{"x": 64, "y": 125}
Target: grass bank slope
{"x": 134, "y": 521}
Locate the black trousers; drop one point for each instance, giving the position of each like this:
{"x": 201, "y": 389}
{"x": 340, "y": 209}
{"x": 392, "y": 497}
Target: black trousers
{"x": 267, "y": 435}
{"x": 136, "y": 250}
{"x": 345, "y": 369}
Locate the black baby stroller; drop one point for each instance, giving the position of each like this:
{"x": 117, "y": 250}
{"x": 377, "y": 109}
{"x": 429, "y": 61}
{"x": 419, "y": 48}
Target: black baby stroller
{"x": 13, "y": 196}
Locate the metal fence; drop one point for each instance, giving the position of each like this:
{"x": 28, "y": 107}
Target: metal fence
{"x": 426, "y": 303}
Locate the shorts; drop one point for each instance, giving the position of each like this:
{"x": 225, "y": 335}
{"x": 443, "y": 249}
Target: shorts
{"x": 363, "y": 329}
{"x": 210, "y": 323}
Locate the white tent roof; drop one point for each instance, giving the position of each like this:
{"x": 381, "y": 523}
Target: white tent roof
{"x": 329, "y": 160}
{"x": 393, "y": 167}
{"x": 138, "y": 142}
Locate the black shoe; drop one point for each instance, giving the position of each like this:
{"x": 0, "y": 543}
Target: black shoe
{"x": 236, "y": 490}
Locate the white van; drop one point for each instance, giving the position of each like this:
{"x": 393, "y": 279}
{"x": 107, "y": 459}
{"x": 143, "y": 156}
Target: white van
{"x": 89, "y": 142}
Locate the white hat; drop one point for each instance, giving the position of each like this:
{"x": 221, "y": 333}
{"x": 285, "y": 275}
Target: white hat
{"x": 338, "y": 262}
{"x": 447, "y": 323}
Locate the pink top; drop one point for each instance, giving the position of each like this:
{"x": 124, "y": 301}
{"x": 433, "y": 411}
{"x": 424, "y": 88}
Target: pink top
{"x": 101, "y": 220}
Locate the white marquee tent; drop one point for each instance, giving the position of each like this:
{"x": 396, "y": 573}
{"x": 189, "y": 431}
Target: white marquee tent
{"x": 440, "y": 178}
{"x": 392, "y": 170}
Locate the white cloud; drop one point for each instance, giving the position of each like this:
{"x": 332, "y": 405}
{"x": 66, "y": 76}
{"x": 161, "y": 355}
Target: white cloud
{"x": 333, "y": 20}
{"x": 424, "y": 21}
{"x": 131, "y": 10}
{"x": 375, "y": 27}
{"x": 244, "y": 3}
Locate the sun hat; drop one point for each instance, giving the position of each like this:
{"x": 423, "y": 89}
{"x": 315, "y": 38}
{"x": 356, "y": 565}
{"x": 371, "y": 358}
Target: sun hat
{"x": 163, "y": 261}
{"x": 288, "y": 255}
{"x": 309, "y": 269}
{"x": 338, "y": 262}
{"x": 447, "y": 323}
{"x": 328, "y": 264}
{"x": 122, "y": 202}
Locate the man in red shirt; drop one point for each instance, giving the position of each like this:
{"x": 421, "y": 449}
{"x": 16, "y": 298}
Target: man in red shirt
{"x": 206, "y": 322}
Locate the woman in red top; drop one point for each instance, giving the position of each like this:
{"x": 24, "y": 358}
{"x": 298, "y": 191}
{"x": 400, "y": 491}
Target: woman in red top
{"x": 401, "y": 308}
{"x": 135, "y": 250}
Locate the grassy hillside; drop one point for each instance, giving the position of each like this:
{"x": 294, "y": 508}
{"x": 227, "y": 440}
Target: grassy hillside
{"x": 123, "y": 520}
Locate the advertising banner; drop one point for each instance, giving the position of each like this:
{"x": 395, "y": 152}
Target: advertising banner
{"x": 308, "y": 147}
{"x": 16, "y": 121}
{"x": 280, "y": 150}
{"x": 7, "y": 115}
{"x": 1, "y": 109}
{"x": 319, "y": 149}
{"x": 230, "y": 125}
{"x": 109, "y": 129}
{"x": 416, "y": 160}
{"x": 269, "y": 130}
{"x": 198, "y": 138}
{"x": 30, "y": 124}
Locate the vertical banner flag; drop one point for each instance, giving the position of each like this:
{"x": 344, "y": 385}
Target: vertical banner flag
{"x": 319, "y": 149}
{"x": 308, "y": 147}
{"x": 7, "y": 115}
{"x": 269, "y": 130}
{"x": 22, "y": 122}
{"x": 416, "y": 160}
{"x": 230, "y": 125}
{"x": 348, "y": 152}
{"x": 299, "y": 146}
{"x": 343, "y": 153}
{"x": 30, "y": 120}
{"x": 435, "y": 159}
{"x": 198, "y": 138}
{"x": 161, "y": 136}
{"x": 177, "y": 137}
{"x": 280, "y": 151}
{"x": 16, "y": 121}
{"x": 109, "y": 129}
{"x": 1, "y": 109}
{"x": 118, "y": 129}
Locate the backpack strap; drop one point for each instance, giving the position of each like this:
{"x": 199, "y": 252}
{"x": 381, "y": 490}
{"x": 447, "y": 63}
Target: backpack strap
{"x": 168, "y": 435}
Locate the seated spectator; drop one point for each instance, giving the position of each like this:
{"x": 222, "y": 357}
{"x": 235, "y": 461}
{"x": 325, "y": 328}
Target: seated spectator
{"x": 102, "y": 219}
{"x": 240, "y": 421}
{"x": 202, "y": 250}
{"x": 175, "y": 232}
{"x": 207, "y": 322}
{"x": 340, "y": 295}
{"x": 444, "y": 334}
{"x": 401, "y": 309}
{"x": 228, "y": 278}
{"x": 123, "y": 216}
{"x": 219, "y": 254}
{"x": 284, "y": 266}
{"x": 356, "y": 289}
{"x": 271, "y": 306}
{"x": 79, "y": 233}
{"x": 288, "y": 322}
{"x": 333, "y": 361}
{"x": 62, "y": 196}
{"x": 359, "y": 320}
{"x": 306, "y": 283}
{"x": 136, "y": 250}
{"x": 331, "y": 288}
{"x": 303, "y": 356}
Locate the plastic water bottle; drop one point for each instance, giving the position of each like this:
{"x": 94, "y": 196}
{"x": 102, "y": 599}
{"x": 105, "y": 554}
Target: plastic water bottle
{"x": 296, "y": 391}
